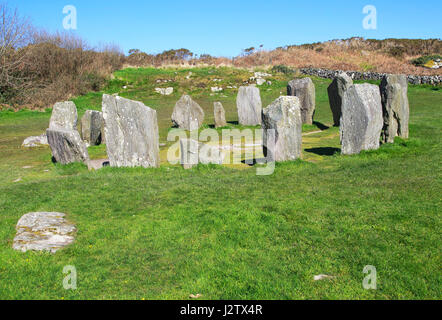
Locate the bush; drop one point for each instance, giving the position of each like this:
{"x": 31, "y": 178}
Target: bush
{"x": 283, "y": 69}
{"x": 421, "y": 61}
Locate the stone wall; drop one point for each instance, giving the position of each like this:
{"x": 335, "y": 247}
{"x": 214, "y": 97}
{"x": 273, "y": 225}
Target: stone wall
{"x": 356, "y": 75}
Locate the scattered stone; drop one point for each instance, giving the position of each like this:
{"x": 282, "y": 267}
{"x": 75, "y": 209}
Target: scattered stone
{"x": 220, "y": 115}
{"x": 35, "y": 141}
{"x": 195, "y": 296}
{"x": 43, "y": 231}
{"x": 67, "y": 146}
{"x": 262, "y": 75}
{"x": 187, "y": 114}
{"x": 17, "y": 180}
{"x": 336, "y": 92}
{"x": 282, "y": 129}
{"x": 189, "y": 75}
{"x": 164, "y": 91}
{"x": 91, "y": 127}
{"x": 216, "y": 89}
{"x": 361, "y": 121}
{"x": 193, "y": 152}
{"x": 395, "y": 105}
{"x": 64, "y": 116}
{"x": 97, "y": 164}
{"x": 323, "y": 277}
{"x": 304, "y": 89}
{"x": 131, "y": 132}
{"x": 249, "y": 106}
{"x": 260, "y": 81}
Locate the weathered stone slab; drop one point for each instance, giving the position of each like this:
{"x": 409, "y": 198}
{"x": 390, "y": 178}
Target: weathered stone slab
{"x": 131, "y": 133}
{"x": 35, "y": 141}
{"x": 64, "y": 116}
{"x": 220, "y": 115}
{"x": 305, "y": 90}
{"x": 67, "y": 146}
{"x": 91, "y": 127}
{"x": 361, "y": 121}
{"x": 43, "y": 231}
{"x": 249, "y": 106}
{"x": 193, "y": 152}
{"x": 395, "y": 106}
{"x": 187, "y": 114}
{"x": 336, "y": 92}
{"x": 282, "y": 129}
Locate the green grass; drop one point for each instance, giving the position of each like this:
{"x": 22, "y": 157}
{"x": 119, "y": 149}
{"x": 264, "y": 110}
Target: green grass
{"x": 223, "y": 232}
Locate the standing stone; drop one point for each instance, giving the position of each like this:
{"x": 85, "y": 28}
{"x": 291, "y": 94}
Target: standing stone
{"x": 336, "y": 92}
{"x": 395, "y": 107}
{"x": 220, "y": 115}
{"x": 91, "y": 127}
{"x": 67, "y": 146}
{"x": 43, "y": 231}
{"x": 284, "y": 117}
{"x": 131, "y": 133}
{"x": 64, "y": 116}
{"x": 249, "y": 106}
{"x": 305, "y": 90}
{"x": 361, "y": 121}
{"x": 187, "y": 114}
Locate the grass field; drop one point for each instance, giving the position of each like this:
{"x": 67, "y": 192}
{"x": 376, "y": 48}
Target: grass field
{"x": 224, "y": 232}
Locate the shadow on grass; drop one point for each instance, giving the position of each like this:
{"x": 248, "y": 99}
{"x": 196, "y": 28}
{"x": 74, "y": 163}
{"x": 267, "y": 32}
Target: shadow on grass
{"x": 324, "y": 151}
{"x": 253, "y": 162}
{"x": 321, "y": 126}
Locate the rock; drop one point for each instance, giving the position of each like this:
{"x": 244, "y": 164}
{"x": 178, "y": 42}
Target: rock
{"x": 67, "y": 146}
{"x": 91, "y": 127}
{"x": 284, "y": 117}
{"x": 43, "y": 231}
{"x": 187, "y": 114}
{"x": 260, "y": 81}
{"x": 64, "y": 116}
{"x": 304, "y": 89}
{"x": 193, "y": 152}
{"x": 97, "y": 164}
{"x": 220, "y": 115}
{"x": 262, "y": 75}
{"x": 361, "y": 121}
{"x": 395, "y": 107}
{"x": 35, "y": 141}
{"x": 336, "y": 92}
{"x": 164, "y": 91}
{"x": 249, "y": 106}
{"x": 131, "y": 133}
{"x": 216, "y": 89}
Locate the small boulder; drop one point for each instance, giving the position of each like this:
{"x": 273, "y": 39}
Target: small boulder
{"x": 220, "y": 115}
{"x": 187, "y": 114}
{"x": 91, "y": 127}
{"x": 282, "y": 129}
{"x": 336, "y": 92}
{"x": 395, "y": 107}
{"x": 35, "y": 141}
{"x": 249, "y": 106}
{"x": 64, "y": 116}
{"x": 131, "y": 133}
{"x": 67, "y": 146}
{"x": 43, "y": 231}
{"x": 305, "y": 90}
{"x": 361, "y": 121}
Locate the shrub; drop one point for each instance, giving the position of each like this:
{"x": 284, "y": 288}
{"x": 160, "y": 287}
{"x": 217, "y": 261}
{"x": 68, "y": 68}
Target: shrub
{"x": 421, "y": 61}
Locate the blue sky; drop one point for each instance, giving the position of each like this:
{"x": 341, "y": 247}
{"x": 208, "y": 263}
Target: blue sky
{"x": 225, "y": 27}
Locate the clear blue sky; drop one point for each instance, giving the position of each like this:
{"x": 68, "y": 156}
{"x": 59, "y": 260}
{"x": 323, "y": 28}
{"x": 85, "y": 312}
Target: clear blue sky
{"x": 225, "y": 27}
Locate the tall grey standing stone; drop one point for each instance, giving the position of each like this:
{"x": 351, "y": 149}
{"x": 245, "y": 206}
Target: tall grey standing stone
{"x": 395, "y": 107}
{"x": 91, "y": 127}
{"x": 361, "y": 121}
{"x": 187, "y": 114}
{"x": 249, "y": 106}
{"x": 282, "y": 129}
{"x": 131, "y": 133}
{"x": 220, "y": 115}
{"x": 67, "y": 146}
{"x": 43, "y": 231}
{"x": 64, "y": 116}
{"x": 305, "y": 90}
{"x": 336, "y": 92}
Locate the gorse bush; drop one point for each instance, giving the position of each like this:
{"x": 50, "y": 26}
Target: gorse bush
{"x": 421, "y": 61}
